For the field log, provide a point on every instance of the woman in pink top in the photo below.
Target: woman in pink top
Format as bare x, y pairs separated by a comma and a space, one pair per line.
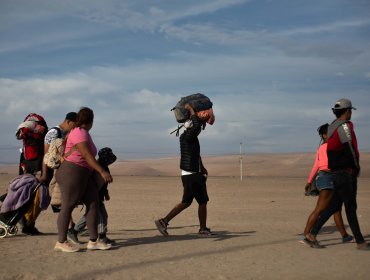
323, 180
74, 177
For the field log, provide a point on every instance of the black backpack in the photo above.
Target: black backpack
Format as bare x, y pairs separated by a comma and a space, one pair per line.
198, 101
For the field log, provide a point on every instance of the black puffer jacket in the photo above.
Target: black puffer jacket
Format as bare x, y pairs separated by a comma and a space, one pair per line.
189, 147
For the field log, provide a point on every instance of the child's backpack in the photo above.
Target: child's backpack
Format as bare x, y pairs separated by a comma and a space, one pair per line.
198, 101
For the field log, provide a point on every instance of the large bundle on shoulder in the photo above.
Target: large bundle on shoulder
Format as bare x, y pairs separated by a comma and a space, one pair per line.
201, 104
32, 132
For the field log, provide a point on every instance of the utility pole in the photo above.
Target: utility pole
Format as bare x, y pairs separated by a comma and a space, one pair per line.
241, 162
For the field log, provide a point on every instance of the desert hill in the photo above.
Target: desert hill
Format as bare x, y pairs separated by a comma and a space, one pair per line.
260, 165
291, 165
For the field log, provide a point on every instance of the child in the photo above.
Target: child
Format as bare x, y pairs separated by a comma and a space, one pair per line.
106, 157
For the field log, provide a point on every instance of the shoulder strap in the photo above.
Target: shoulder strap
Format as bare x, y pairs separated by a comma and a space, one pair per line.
59, 131
344, 133
177, 130
345, 136
333, 126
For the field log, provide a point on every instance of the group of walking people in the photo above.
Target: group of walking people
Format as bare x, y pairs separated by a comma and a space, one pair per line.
80, 178
77, 179
335, 173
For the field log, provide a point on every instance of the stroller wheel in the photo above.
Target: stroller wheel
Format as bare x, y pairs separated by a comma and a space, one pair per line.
12, 230
3, 231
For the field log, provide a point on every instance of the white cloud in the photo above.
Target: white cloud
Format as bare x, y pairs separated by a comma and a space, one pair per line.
154, 100
211, 34
204, 7
324, 28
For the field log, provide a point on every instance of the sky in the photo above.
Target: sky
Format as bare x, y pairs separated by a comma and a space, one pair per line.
272, 68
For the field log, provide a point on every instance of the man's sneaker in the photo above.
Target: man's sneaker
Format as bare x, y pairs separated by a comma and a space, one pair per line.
108, 241
98, 245
313, 243
206, 232
161, 226
363, 246
72, 236
65, 247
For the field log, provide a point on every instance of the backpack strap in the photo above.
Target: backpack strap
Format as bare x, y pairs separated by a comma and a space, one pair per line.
59, 131
177, 130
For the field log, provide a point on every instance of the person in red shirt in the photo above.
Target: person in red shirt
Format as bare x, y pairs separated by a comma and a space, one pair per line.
343, 161
321, 176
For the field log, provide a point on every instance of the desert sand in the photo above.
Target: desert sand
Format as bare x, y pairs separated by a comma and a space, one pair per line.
257, 221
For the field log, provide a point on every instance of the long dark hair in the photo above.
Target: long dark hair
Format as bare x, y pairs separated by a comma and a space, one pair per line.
84, 116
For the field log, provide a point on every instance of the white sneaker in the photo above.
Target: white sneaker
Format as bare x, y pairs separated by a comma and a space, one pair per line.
98, 245
65, 247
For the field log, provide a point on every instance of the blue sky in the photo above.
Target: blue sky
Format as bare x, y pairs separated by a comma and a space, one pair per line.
273, 70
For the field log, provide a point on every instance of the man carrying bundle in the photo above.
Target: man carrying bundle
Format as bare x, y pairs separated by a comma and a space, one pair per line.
193, 176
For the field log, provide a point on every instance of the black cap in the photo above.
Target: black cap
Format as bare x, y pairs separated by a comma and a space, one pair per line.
71, 116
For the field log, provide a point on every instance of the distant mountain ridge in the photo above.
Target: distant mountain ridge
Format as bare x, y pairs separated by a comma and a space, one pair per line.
294, 165
291, 165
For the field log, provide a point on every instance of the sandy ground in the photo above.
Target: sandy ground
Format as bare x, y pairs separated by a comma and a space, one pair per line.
257, 220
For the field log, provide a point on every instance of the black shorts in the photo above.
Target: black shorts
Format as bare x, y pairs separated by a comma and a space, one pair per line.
194, 187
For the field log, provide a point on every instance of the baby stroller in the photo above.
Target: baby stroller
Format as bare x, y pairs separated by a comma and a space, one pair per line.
14, 206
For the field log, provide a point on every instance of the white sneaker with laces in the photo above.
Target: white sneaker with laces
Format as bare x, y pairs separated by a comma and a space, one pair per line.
98, 245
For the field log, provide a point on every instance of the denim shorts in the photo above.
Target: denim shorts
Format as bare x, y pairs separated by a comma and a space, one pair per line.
324, 181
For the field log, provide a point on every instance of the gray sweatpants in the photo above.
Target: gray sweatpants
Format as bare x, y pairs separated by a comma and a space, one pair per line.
102, 224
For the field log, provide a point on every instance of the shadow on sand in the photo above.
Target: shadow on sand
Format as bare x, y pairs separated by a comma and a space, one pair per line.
222, 235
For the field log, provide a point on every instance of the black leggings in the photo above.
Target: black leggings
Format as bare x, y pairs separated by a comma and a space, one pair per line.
345, 192
76, 186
